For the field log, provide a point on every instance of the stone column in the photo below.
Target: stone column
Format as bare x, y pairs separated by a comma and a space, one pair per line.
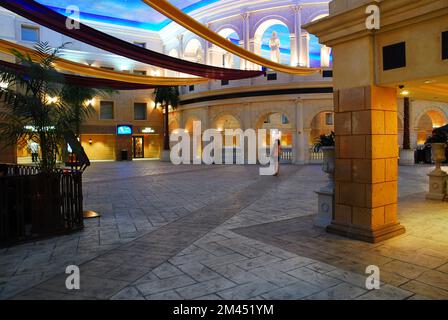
242, 61
300, 145
180, 38
255, 47
297, 35
366, 127
366, 164
246, 37
304, 59
414, 137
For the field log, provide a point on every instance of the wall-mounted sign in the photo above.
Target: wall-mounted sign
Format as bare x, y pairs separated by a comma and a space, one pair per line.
148, 130
124, 130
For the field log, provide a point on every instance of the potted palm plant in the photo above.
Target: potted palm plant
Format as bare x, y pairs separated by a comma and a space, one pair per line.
37, 105
165, 97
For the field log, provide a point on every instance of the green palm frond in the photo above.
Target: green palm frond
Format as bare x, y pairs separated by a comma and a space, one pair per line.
166, 96
26, 112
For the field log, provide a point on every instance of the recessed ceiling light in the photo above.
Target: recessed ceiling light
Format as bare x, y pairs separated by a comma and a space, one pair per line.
429, 81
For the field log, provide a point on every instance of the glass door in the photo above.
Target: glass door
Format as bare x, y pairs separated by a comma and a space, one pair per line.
139, 149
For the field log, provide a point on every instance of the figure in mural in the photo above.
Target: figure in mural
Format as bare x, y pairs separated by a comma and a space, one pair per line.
274, 44
325, 53
199, 55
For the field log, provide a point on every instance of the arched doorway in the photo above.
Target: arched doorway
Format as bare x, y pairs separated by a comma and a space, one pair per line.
281, 122
321, 124
427, 122
231, 146
188, 127
222, 58
265, 31
194, 52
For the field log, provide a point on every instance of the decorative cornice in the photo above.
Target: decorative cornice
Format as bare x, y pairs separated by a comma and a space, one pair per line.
350, 24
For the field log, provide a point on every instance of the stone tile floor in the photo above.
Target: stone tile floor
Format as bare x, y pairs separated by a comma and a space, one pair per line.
224, 232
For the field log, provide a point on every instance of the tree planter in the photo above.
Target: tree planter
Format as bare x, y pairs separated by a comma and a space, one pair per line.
437, 177
40, 205
326, 194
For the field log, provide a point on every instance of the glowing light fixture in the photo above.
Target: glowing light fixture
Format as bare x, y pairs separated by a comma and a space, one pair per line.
405, 92
90, 102
52, 100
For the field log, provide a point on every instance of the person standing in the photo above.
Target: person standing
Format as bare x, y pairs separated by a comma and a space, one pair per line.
34, 148
276, 157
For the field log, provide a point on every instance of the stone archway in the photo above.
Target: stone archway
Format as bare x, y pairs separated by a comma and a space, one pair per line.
220, 57
427, 121
321, 123
194, 51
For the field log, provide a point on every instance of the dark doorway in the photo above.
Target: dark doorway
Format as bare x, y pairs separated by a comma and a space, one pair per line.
139, 147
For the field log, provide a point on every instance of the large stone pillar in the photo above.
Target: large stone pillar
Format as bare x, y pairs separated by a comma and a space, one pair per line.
366, 174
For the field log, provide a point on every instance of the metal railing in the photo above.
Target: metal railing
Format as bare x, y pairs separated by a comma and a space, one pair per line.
34, 205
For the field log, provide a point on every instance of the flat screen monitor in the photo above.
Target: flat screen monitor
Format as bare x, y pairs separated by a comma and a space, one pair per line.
124, 130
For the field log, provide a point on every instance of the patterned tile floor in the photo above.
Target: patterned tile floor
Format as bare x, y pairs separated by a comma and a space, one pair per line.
224, 232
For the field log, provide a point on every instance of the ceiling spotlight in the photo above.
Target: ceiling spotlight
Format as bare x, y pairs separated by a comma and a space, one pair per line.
429, 81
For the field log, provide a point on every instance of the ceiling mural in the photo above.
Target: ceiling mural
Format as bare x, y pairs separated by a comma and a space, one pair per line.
132, 13
135, 13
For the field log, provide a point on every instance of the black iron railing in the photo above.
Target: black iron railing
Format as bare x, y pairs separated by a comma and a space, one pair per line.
36, 205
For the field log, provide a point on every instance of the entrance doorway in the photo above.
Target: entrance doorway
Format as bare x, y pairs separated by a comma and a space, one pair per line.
138, 147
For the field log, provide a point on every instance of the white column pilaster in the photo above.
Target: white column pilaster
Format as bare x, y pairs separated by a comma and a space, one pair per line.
246, 37
180, 38
297, 34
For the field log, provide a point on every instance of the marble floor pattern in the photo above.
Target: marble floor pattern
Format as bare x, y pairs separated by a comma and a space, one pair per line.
224, 232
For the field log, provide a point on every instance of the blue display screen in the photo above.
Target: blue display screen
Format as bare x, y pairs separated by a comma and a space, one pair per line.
124, 130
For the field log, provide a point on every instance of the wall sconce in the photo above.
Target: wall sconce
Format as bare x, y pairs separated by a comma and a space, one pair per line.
90, 141
90, 102
52, 100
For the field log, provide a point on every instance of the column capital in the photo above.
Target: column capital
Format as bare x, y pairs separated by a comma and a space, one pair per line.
297, 8
180, 36
245, 15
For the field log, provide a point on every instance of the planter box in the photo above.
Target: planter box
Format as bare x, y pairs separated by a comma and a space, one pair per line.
37, 206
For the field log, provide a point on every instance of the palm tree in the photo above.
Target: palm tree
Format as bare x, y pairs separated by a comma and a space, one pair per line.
166, 97
38, 106
406, 125
77, 109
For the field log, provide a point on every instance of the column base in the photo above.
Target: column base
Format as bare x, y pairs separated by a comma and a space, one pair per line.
407, 157
166, 156
372, 236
